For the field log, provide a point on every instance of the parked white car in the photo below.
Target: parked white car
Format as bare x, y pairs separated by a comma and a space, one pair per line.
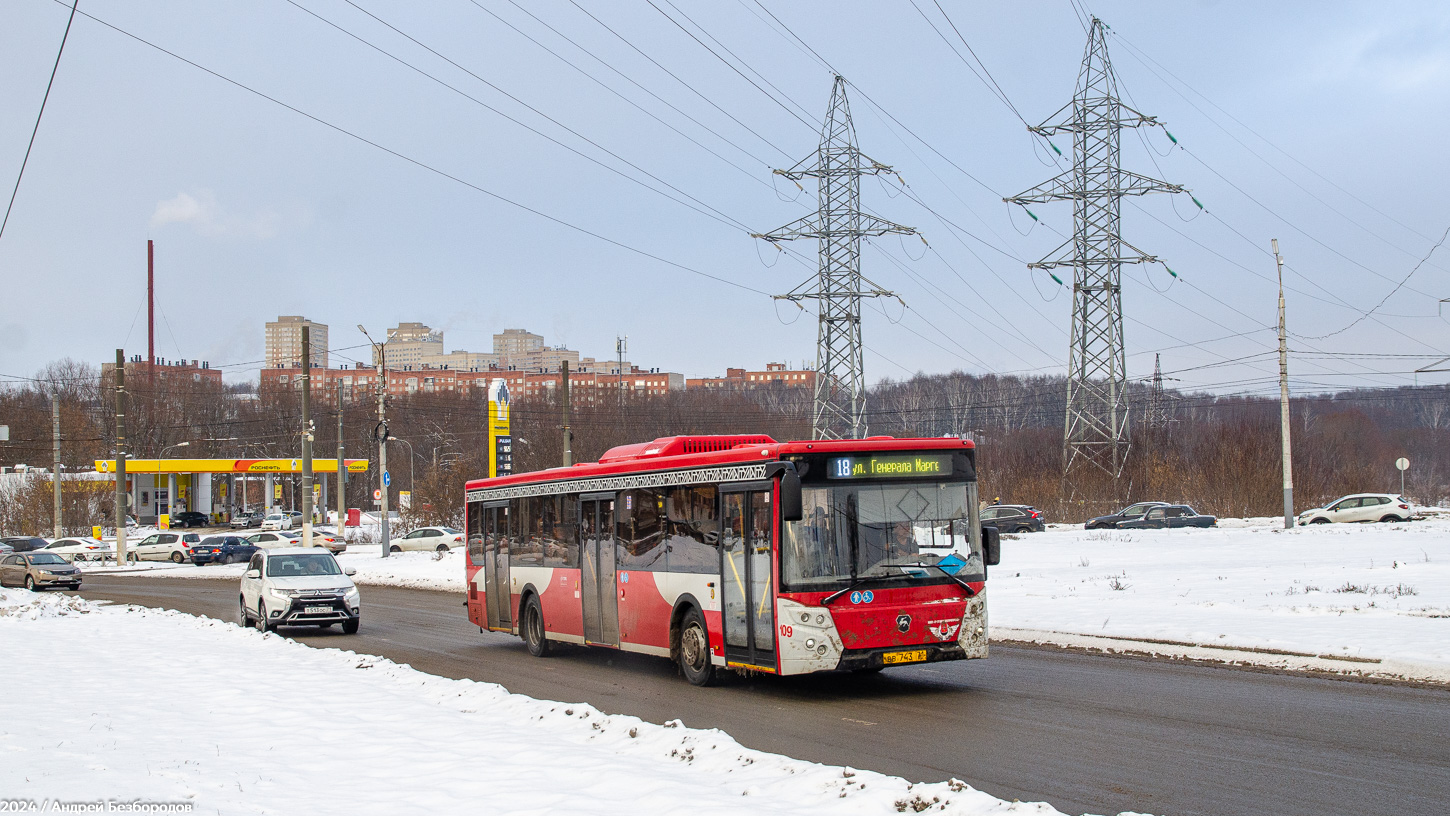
278, 521
81, 549
273, 540
428, 538
298, 586
175, 547
1361, 507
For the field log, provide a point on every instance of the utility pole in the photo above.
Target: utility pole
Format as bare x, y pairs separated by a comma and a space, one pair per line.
150, 310
839, 409
306, 435
381, 434
120, 457
1284, 398
568, 434
1096, 426
55, 463
341, 475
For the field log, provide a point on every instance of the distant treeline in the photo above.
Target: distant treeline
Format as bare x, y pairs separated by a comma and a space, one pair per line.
1220, 454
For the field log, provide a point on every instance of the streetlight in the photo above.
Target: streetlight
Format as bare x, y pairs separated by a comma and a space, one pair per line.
171, 478
411, 457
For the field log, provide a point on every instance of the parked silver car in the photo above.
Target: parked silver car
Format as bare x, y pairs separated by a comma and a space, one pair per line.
1361, 507
38, 570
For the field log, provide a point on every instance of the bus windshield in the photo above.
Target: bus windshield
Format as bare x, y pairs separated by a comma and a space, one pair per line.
865, 531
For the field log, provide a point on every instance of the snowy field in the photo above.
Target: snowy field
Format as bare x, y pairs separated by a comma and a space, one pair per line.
1371, 599
164, 707
1337, 596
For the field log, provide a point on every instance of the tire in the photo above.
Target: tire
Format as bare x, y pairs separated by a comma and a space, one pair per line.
443, 548
30, 584
349, 627
395, 549
246, 616
532, 629
227, 559
1320, 520
262, 624
694, 650
177, 558
133, 558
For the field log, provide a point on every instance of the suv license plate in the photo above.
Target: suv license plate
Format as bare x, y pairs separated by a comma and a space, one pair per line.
323, 610
915, 656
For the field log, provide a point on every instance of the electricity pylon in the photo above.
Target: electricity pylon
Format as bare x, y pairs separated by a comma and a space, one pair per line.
1096, 430
1158, 413
838, 224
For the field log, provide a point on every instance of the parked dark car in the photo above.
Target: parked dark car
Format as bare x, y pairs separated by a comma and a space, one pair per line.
1130, 513
25, 543
1014, 518
189, 518
1169, 515
222, 550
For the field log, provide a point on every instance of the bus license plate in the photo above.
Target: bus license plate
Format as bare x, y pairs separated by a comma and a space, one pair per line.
915, 656
323, 610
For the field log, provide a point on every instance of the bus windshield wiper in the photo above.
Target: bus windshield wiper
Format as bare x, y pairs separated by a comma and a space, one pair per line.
951, 575
859, 582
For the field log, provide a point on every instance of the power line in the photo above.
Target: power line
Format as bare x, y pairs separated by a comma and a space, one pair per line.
424, 166
46, 98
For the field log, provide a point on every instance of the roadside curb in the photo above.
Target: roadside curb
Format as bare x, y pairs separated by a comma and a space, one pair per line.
1344, 667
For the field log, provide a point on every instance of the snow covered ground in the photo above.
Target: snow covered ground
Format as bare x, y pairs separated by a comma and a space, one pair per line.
1368, 599
1355, 598
162, 707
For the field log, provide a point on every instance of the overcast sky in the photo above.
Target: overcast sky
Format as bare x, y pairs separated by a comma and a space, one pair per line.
1319, 124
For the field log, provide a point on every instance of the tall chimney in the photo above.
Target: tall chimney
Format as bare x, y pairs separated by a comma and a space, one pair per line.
150, 304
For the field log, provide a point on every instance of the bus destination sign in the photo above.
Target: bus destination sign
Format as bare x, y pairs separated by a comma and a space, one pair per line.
889, 467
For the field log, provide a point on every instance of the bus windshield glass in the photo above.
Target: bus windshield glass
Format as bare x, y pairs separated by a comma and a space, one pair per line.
878, 531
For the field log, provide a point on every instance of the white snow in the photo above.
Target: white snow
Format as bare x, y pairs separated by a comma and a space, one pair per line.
1368, 599
1352, 598
127, 704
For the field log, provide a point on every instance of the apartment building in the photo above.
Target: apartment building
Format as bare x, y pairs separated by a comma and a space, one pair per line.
284, 342
775, 375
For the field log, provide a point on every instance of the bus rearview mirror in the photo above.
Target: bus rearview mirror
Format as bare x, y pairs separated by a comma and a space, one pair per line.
790, 496
991, 545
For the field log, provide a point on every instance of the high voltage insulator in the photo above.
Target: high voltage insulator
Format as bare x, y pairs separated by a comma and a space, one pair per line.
839, 224
1097, 402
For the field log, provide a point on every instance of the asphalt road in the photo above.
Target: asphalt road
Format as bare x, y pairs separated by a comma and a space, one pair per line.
1085, 733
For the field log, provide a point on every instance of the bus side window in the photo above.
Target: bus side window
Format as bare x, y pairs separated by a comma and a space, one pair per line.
475, 533
560, 525
693, 537
641, 530
527, 539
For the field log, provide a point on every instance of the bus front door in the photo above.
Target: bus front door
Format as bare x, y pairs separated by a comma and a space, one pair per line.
747, 611
498, 596
598, 579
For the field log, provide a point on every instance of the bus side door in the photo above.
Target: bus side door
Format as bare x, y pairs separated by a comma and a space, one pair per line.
497, 598
597, 577
747, 611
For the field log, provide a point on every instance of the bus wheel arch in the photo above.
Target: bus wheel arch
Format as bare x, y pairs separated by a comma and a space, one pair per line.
690, 642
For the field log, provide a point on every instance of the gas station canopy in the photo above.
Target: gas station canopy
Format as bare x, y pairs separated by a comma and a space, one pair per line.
229, 465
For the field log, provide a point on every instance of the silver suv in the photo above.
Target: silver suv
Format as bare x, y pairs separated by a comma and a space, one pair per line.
299, 586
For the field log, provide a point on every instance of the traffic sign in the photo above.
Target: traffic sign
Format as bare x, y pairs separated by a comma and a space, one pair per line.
1402, 463
377, 495
387, 479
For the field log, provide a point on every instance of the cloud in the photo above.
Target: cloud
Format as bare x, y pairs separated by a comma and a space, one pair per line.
206, 217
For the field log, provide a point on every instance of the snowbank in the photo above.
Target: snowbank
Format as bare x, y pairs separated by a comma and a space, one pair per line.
232, 721
419, 570
1355, 598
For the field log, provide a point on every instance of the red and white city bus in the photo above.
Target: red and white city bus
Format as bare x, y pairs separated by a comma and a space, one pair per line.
740, 552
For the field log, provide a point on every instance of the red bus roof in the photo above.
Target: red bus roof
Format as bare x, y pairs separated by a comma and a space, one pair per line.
669, 452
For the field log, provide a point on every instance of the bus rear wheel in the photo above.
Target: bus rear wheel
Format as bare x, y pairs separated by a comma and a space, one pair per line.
695, 649
533, 628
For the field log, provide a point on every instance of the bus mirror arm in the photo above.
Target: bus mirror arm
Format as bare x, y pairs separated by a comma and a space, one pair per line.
791, 508
991, 545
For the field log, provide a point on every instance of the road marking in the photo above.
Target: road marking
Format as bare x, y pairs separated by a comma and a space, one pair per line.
858, 722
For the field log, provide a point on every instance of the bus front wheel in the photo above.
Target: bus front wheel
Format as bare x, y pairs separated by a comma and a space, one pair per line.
695, 649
